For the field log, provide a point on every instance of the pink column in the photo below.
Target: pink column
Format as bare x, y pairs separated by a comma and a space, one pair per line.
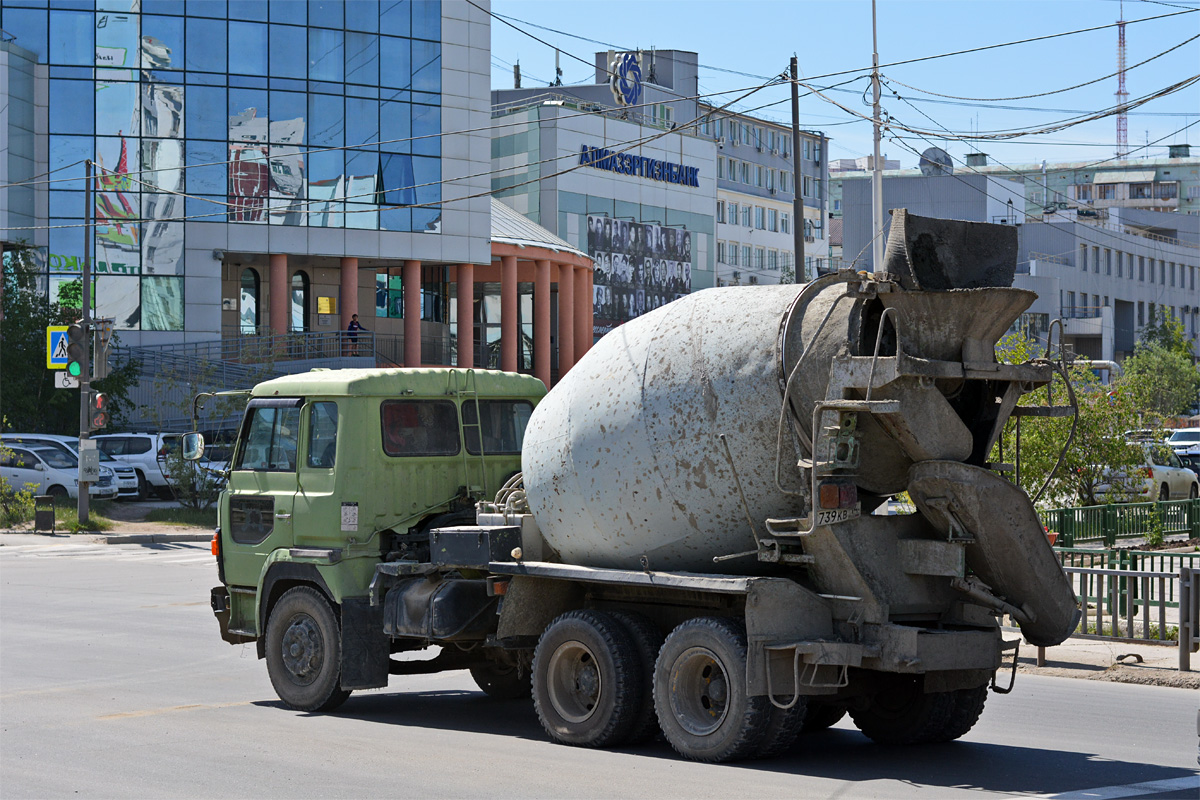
412, 313
279, 290
466, 318
541, 321
566, 318
583, 312
510, 331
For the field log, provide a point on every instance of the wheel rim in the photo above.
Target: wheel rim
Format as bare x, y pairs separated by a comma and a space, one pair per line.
575, 682
699, 691
303, 649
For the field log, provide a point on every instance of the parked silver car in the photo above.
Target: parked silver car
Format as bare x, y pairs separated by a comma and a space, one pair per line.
51, 471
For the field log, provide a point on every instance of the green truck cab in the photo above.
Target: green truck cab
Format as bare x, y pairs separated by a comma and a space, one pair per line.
333, 472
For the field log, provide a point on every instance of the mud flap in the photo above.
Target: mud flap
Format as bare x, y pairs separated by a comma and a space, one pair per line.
364, 645
1007, 548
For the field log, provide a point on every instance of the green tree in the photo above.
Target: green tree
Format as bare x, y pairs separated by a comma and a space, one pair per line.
1098, 454
1161, 375
28, 400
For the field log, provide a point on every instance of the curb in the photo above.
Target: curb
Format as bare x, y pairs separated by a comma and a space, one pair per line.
149, 538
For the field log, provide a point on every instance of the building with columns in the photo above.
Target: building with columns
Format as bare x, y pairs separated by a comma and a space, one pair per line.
266, 171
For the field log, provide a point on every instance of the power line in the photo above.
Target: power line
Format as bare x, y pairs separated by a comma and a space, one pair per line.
1052, 91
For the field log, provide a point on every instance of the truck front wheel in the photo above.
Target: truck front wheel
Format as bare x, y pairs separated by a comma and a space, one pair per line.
304, 651
587, 683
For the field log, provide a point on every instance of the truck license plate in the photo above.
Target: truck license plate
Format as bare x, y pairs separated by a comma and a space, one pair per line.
832, 516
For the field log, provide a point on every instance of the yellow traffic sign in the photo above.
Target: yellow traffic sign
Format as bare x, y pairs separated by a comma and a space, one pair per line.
56, 346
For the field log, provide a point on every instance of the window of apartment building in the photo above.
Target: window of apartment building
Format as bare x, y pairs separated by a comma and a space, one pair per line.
1142, 268
746, 216
720, 211
808, 230
807, 149
772, 219
1083, 191
1096, 259
720, 252
745, 255
745, 133
817, 152
731, 173
746, 172
1107, 261
760, 257
1171, 272
720, 168
719, 128
1162, 272
1150, 309
1106, 301
1070, 304
1083, 257
1106, 191
759, 218
771, 179
1166, 191
807, 186
1140, 191
760, 175
785, 259
785, 222
837, 205
1141, 313
1191, 277
786, 146
733, 214
1120, 264
1035, 198
773, 260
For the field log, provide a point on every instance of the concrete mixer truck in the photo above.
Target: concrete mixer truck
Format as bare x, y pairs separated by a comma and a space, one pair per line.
679, 537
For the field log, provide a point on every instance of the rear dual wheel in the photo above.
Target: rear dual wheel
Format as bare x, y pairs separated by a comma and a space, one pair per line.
903, 713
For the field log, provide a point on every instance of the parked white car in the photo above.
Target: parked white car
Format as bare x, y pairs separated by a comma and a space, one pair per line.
1184, 437
125, 476
146, 453
1165, 477
51, 472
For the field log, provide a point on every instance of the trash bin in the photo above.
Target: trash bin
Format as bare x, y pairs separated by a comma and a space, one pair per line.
43, 513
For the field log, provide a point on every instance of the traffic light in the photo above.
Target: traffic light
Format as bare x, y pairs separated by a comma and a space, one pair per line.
98, 410
76, 349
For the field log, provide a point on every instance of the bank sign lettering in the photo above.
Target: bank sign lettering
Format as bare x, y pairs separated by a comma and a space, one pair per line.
629, 164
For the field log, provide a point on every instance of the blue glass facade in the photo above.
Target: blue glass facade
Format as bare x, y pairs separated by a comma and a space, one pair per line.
325, 113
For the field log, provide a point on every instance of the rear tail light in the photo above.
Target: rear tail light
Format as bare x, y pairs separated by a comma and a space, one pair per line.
216, 545
1149, 472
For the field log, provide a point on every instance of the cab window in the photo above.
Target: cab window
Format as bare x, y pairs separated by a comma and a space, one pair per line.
419, 428
322, 435
502, 429
270, 441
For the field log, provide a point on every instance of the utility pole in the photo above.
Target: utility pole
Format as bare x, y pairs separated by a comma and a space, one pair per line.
797, 179
86, 321
876, 168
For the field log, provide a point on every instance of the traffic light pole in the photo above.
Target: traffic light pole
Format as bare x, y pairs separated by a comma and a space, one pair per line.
86, 321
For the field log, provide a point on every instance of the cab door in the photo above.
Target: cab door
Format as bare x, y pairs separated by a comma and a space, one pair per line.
323, 519
258, 505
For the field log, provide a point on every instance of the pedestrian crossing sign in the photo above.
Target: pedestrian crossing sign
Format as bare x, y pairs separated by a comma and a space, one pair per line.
56, 347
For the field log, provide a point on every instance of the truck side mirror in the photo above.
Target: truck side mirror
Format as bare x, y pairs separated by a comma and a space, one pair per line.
193, 446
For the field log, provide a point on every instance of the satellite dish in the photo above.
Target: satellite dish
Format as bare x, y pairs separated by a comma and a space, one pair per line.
936, 161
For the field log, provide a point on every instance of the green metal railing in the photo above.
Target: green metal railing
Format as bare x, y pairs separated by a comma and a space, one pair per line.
1131, 560
1106, 524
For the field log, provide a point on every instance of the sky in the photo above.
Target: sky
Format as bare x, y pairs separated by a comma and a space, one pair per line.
828, 36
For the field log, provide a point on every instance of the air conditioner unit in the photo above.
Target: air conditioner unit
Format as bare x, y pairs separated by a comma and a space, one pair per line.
809, 239
760, 147
772, 190
774, 151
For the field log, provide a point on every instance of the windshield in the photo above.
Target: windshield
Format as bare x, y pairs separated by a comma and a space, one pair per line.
1184, 436
56, 458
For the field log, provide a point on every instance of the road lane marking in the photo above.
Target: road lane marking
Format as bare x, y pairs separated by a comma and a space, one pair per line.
150, 712
1128, 790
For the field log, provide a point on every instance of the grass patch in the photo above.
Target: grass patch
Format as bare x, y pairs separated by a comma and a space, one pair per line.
184, 516
66, 517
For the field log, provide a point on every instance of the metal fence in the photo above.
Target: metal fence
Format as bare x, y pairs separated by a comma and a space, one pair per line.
1131, 605
1108, 523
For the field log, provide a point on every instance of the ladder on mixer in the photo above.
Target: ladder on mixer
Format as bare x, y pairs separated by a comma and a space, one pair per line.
469, 392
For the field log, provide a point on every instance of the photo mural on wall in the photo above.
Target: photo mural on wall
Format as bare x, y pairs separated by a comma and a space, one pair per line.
639, 267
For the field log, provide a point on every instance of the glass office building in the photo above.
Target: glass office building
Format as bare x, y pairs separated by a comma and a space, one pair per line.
250, 156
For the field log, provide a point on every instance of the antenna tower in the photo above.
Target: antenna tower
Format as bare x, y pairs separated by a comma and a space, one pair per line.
1122, 95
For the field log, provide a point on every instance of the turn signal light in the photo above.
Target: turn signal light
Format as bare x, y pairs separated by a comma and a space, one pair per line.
216, 544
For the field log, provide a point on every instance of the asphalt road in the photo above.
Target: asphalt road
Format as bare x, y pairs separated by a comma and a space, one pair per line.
114, 683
